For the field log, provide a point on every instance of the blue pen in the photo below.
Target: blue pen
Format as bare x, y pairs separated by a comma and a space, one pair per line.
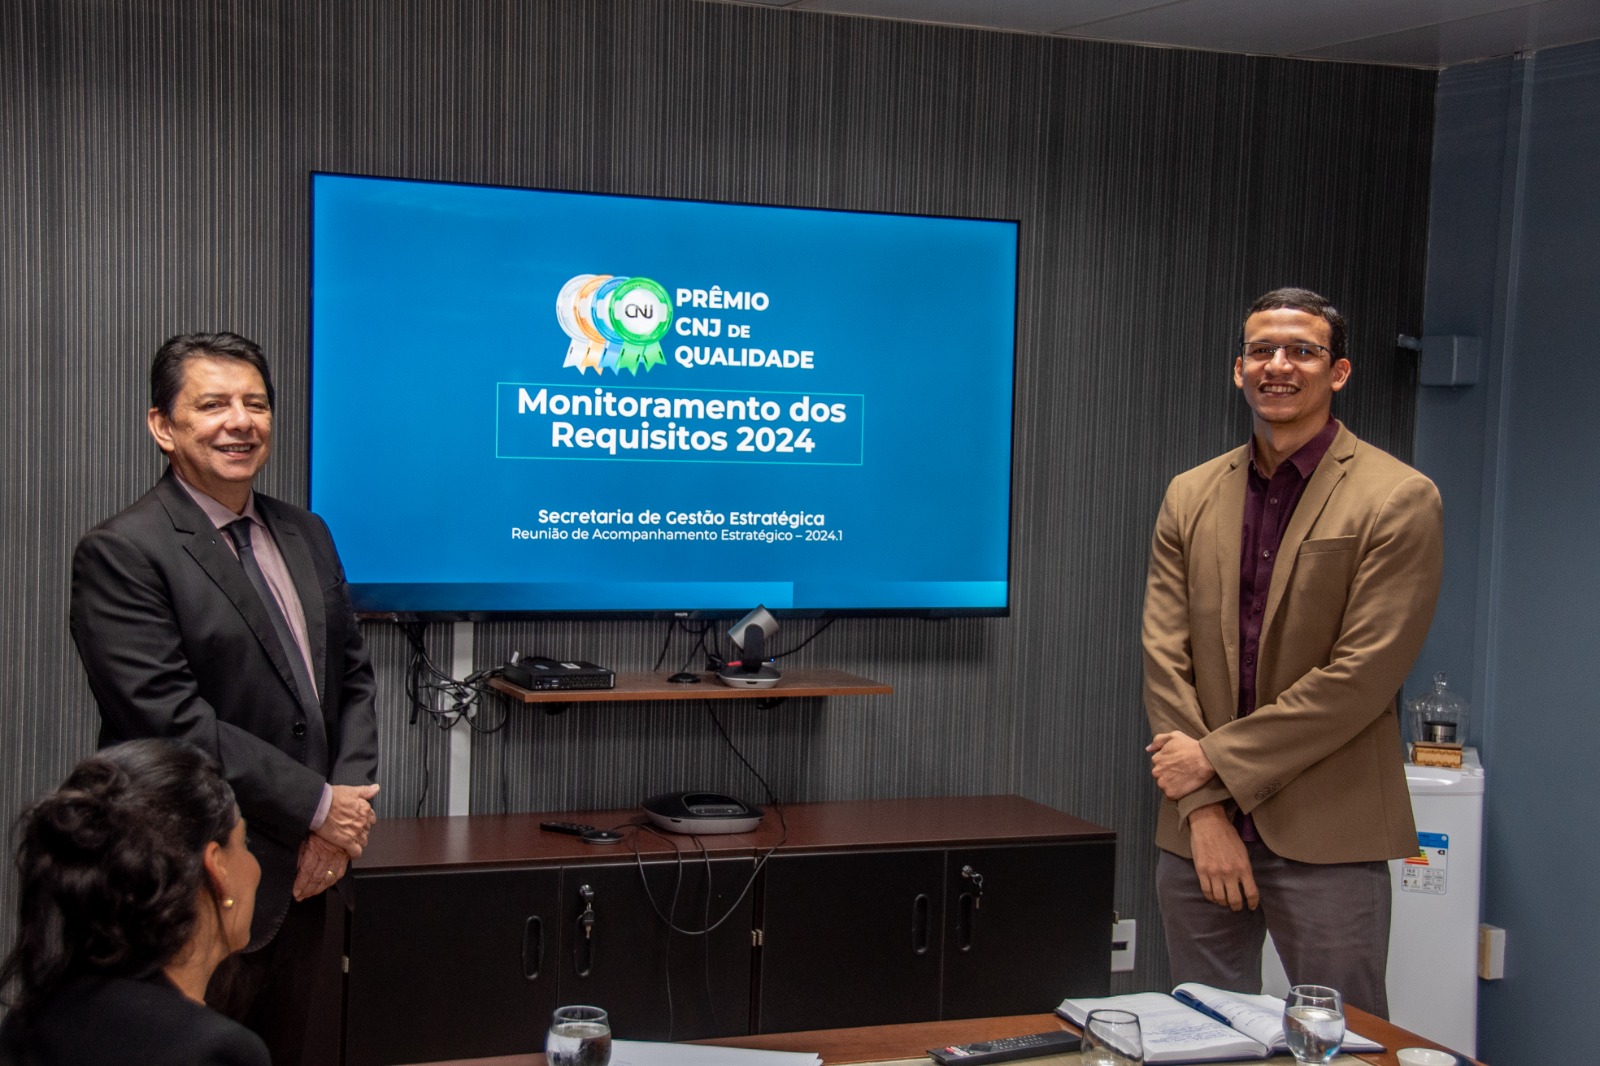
1185, 998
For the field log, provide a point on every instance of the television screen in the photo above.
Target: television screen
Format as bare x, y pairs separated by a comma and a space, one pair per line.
530, 402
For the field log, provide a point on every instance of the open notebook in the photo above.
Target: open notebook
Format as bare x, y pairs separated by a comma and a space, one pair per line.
1198, 1023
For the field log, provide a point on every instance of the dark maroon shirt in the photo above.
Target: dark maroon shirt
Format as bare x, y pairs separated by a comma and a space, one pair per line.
1268, 506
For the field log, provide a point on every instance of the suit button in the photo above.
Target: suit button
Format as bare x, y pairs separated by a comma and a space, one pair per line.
299, 729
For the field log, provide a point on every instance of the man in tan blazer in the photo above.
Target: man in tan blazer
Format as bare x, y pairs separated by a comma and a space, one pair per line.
1291, 584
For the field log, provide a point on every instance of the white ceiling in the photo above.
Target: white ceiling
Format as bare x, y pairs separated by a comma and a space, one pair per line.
1409, 33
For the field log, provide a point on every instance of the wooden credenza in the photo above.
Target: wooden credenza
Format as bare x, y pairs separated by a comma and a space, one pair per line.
468, 931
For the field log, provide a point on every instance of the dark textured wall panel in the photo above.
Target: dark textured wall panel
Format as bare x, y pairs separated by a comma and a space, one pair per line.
153, 179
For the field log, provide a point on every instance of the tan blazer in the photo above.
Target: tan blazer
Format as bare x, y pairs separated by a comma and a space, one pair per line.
1319, 764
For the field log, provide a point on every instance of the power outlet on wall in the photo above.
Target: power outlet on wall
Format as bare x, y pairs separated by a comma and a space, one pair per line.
1124, 942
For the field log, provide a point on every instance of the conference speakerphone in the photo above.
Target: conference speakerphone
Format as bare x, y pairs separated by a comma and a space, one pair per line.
539, 674
701, 813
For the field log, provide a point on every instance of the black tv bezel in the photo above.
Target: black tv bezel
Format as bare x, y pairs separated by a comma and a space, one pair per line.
689, 614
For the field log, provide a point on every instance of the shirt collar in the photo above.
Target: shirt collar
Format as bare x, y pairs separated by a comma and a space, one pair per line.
220, 514
1305, 459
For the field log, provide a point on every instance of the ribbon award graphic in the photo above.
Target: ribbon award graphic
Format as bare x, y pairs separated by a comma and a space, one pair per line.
587, 344
615, 323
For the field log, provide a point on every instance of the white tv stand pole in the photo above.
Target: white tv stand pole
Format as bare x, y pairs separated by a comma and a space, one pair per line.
458, 784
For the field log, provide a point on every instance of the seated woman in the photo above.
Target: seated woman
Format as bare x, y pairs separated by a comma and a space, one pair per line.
135, 884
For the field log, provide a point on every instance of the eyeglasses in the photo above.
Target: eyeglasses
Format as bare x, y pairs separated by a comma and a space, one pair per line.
1304, 354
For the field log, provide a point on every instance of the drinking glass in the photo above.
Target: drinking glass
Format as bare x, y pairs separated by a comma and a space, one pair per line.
1313, 1023
1112, 1038
579, 1036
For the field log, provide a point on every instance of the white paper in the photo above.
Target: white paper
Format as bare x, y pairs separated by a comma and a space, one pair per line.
649, 1053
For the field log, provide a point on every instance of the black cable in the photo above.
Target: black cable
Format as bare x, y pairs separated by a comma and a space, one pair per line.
666, 954
672, 628
677, 855
761, 861
705, 944
425, 779
698, 646
666, 644
670, 919
505, 785
424, 681
819, 631
772, 797
505, 714
714, 653
718, 659
427, 686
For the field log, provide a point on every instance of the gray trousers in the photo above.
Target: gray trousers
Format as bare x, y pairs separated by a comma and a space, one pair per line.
1330, 924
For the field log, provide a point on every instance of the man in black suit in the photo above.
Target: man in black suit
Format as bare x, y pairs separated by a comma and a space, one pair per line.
211, 613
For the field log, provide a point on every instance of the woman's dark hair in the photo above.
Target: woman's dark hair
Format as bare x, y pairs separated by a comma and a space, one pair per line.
167, 368
110, 865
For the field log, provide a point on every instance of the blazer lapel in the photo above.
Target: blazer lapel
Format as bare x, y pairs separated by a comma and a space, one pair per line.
1324, 478
297, 557
203, 542
1229, 537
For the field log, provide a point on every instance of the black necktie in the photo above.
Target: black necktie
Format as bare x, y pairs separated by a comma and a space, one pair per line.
239, 532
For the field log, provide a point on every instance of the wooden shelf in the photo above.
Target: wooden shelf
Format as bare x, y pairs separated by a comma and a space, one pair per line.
638, 685
483, 841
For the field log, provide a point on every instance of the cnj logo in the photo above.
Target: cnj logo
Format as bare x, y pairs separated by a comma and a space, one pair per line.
615, 323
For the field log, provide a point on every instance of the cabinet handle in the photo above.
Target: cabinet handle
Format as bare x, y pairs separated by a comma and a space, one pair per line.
583, 943
919, 924
532, 933
966, 920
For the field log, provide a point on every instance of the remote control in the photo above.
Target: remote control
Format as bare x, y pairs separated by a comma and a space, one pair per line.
586, 833
1007, 1048
570, 828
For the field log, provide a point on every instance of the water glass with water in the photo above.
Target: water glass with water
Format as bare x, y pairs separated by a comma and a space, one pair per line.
1313, 1023
1112, 1038
579, 1036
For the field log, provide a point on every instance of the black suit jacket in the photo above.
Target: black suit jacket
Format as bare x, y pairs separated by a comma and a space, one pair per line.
176, 643
120, 1021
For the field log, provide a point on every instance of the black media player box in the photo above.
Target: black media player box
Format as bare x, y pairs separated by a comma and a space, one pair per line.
539, 674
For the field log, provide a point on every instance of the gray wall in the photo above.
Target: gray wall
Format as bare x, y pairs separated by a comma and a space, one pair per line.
1516, 221
154, 180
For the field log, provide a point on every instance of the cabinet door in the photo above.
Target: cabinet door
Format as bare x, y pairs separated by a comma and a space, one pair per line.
452, 964
850, 939
1038, 931
618, 952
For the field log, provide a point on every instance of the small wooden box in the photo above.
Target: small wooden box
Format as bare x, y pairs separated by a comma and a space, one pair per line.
1436, 754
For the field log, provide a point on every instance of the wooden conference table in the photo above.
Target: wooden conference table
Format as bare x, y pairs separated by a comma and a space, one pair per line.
896, 1043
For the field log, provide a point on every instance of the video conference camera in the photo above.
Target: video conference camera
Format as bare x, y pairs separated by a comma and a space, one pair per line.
753, 668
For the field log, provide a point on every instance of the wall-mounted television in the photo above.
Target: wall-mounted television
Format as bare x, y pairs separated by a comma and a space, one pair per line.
529, 402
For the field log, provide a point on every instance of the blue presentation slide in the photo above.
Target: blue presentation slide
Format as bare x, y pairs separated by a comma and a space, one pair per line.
532, 401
